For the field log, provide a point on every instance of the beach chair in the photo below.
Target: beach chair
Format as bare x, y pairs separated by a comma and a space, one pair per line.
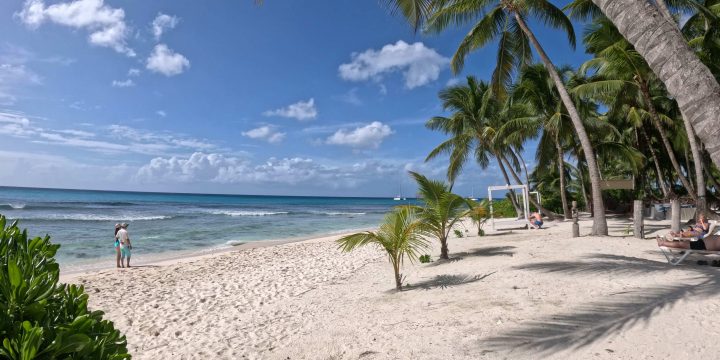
676, 256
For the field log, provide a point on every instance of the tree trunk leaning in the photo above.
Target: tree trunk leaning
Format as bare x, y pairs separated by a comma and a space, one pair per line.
599, 220
561, 170
513, 199
675, 208
700, 187
686, 78
638, 228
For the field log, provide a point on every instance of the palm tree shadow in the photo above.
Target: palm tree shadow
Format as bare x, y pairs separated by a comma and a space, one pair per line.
446, 281
589, 323
481, 252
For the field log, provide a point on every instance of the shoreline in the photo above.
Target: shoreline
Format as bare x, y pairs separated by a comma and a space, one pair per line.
162, 259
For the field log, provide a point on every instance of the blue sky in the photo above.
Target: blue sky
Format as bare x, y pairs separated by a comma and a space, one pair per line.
288, 98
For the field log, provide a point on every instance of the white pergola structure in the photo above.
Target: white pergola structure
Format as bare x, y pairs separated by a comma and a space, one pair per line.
537, 196
526, 205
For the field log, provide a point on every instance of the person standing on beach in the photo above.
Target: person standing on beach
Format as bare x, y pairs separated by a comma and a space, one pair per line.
117, 246
125, 245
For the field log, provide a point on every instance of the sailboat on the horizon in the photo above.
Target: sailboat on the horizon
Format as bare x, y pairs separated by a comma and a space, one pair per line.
472, 195
400, 195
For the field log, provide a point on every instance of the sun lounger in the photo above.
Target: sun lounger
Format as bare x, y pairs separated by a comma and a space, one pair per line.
675, 256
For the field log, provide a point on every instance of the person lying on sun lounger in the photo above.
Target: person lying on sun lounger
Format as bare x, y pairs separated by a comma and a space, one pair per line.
695, 231
709, 243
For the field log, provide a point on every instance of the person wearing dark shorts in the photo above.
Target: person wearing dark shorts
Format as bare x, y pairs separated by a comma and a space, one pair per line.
709, 243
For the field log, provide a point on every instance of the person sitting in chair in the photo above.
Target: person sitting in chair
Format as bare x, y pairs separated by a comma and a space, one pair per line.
535, 220
698, 230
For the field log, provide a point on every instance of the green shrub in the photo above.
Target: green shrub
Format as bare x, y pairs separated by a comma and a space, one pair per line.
458, 233
40, 318
425, 259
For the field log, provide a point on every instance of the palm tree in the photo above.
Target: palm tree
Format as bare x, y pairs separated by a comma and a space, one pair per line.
505, 21
670, 57
441, 210
471, 107
622, 71
398, 235
474, 127
536, 89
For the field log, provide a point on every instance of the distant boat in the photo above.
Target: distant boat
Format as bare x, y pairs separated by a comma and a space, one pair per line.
472, 195
399, 196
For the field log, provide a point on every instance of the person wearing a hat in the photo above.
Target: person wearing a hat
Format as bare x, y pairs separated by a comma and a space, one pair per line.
125, 246
117, 246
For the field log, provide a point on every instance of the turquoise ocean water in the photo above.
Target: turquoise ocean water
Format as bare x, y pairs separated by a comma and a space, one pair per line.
83, 221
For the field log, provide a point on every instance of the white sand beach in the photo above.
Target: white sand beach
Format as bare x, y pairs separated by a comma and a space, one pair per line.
525, 295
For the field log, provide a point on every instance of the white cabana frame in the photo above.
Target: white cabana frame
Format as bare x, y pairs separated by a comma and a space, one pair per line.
526, 203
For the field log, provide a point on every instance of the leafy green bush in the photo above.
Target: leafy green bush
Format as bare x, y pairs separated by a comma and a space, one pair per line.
40, 318
458, 233
425, 259
503, 209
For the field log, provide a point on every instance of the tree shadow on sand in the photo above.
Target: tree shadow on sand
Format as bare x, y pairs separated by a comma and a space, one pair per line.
480, 252
446, 281
589, 323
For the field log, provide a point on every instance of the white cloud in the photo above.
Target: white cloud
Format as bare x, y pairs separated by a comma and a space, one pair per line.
419, 64
266, 133
301, 110
223, 169
105, 24
133, 72
167, 62
124, 83
161, 113
452, 81
368, 136
163, 22
350, 97
14, 76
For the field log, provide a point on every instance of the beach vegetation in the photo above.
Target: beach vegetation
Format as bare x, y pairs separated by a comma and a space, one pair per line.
478, 214
504, 22
399, 235
424, 259
458, 233
441, 209
41, 318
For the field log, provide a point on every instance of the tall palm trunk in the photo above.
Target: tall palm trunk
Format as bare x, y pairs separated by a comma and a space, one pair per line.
686, 78
586, 197
561, 170
700, 202
700, 187
665, 140
599, 220
530, 198
661, 181
513, 199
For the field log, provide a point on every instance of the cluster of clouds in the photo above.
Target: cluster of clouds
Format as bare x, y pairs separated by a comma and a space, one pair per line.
368, 137
223, 169
106, 27
115, 139
419, 64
